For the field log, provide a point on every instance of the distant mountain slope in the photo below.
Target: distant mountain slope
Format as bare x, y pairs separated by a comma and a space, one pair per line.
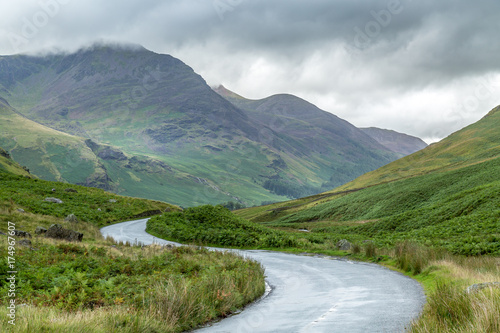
445, 195
54, 155
337, 146
148, 104
397, 142
48, 153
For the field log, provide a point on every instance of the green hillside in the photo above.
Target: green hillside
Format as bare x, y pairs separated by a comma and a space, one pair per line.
48, 153
7, 165
444, 195
154, 106
57, 156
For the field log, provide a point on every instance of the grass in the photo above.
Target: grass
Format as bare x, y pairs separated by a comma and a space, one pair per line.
68, 287
450, 308
99, 285
88, 204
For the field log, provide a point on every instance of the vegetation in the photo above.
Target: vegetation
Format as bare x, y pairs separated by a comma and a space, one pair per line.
147, 290
451, 305
231, 205
216, 225
100, 285
88, 204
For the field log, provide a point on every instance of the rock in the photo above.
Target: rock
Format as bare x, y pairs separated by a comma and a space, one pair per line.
53, 190
20, 210
54, 200
20, 233
56, 231
344, 245
40, 230
98, 209
112, 200
72, 190
25, 242
71, 218
111, 154
479, 286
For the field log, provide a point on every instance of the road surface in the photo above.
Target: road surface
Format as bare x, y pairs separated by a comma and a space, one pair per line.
313, 294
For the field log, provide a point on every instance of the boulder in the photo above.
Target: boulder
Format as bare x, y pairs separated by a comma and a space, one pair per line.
112, 200
479, 286
20, 210
56, 231
54, 200
20, 233
344, 245
40, 230
71, 218
25, 242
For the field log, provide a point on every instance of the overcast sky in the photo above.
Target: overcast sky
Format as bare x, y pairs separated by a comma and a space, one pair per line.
426, 67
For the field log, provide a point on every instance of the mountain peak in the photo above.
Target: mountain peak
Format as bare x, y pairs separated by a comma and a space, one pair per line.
224, 92
397, 142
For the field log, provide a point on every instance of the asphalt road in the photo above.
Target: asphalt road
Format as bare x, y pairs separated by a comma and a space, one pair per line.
313, 294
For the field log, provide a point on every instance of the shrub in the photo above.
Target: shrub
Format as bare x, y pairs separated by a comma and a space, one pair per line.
370, 249
216, 225
411, 257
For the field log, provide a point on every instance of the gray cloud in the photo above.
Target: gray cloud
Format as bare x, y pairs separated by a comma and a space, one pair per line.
413, 66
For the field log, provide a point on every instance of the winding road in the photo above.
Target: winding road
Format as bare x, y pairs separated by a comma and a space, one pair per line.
312, 294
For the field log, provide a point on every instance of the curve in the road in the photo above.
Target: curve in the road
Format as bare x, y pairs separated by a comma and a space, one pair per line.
313, 294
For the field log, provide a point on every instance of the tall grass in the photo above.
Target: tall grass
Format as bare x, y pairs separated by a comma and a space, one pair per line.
103, 286
451, 309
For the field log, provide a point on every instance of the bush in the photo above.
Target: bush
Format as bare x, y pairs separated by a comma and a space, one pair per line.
411, 257
370, 250
216, 225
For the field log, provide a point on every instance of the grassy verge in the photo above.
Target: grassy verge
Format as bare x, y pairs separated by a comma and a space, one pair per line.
451, 306
99, 285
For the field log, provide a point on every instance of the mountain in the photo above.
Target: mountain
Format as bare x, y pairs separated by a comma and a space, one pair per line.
199, 146
57, 156
342, 150
444, 195
397, 142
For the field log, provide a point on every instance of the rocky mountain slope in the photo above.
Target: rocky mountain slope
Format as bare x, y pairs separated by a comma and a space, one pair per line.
397, 142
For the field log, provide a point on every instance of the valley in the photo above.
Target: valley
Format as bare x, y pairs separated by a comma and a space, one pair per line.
115, 133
